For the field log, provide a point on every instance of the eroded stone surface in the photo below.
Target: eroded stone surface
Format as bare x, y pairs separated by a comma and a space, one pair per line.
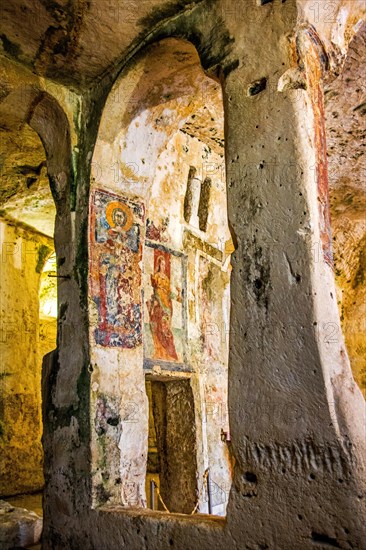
25, 338
345, 109
89, 38
25, 191
297, 417
19, 528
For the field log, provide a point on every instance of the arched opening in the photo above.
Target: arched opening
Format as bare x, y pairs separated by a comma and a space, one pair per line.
159, 284
345, 112
34, 154
27, 240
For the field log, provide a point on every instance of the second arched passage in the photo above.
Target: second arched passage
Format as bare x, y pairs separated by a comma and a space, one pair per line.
36, 174
159, 285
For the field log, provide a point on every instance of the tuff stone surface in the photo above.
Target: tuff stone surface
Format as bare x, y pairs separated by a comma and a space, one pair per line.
345, 98
24, 340
19, 528
297, 417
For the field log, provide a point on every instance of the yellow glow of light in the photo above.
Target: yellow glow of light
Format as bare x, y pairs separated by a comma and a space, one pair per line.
49, 307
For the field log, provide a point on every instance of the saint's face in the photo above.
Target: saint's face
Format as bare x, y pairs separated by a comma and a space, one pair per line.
161, 265
119, 218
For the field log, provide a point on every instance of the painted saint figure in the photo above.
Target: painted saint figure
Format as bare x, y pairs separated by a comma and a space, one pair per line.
120, 220
116, 272
160, 310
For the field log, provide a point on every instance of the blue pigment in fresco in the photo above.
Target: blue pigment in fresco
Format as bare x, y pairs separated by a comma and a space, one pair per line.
115, 272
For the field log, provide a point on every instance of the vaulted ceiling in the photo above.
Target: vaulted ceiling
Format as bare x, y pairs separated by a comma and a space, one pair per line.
76, 41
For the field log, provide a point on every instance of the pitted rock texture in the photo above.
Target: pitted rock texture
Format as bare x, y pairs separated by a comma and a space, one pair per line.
346, 143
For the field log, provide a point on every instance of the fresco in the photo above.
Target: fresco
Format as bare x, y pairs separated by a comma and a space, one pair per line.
315, 60
157, 232
115, 273
211, 282
164, 283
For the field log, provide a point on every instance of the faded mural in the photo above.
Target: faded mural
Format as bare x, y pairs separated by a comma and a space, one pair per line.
115, 272
157, 232
211, 281
164, 316
314, 59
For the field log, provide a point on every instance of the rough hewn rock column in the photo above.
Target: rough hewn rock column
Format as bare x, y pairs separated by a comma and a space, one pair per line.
297, 415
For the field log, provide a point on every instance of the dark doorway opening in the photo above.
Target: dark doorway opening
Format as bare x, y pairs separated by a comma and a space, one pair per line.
172, 462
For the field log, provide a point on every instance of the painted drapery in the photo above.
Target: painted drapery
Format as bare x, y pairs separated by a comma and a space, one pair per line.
115, 256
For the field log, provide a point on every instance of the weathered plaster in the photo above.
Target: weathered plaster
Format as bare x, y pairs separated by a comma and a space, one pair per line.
296, 417
148, 157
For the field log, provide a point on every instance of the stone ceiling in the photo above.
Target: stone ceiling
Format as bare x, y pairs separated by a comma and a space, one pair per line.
25, 194
76, 41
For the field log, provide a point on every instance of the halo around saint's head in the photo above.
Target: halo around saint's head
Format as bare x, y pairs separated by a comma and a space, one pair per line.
119, 206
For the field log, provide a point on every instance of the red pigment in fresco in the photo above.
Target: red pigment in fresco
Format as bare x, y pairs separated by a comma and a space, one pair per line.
314, 57
160, 308
115, 253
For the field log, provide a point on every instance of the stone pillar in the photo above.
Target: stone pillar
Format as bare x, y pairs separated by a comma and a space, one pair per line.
296, 414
